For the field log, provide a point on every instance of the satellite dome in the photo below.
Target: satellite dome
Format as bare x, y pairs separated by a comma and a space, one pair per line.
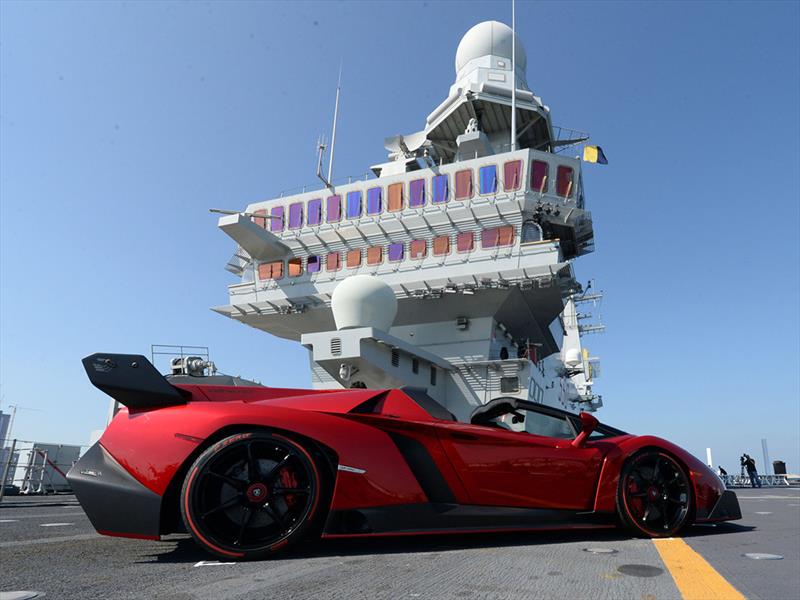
489, 38
363, 301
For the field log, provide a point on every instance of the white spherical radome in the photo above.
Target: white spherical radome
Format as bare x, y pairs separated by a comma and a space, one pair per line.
363, 301
489, 38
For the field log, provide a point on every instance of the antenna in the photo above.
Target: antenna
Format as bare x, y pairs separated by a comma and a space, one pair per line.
335, 118
513, 75
320, 152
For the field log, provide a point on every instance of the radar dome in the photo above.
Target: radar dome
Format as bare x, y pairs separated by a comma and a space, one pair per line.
489, 38
572, 357
363, 301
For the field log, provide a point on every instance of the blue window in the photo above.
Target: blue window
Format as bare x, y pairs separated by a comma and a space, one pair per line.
374, 201
353, 204
315, 211
416, 195
440, 189
488, 179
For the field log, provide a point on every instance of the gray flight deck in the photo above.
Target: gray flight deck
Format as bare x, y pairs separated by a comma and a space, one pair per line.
48, 545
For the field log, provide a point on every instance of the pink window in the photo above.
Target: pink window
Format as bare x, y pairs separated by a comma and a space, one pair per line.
333, 262
465, 241
441, 245
295, 267
495, 237
539, 175
260, 218
333, 209
272, 270
564, 184
512, 172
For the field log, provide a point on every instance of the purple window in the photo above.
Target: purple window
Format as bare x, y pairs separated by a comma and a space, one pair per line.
296, 215
277, 222
353, 205
333, 214
439, 189
416, 197
374, 201
396, 251
313, 264
314, 211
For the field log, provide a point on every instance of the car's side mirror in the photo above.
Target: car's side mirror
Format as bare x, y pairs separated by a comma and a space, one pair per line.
588, 425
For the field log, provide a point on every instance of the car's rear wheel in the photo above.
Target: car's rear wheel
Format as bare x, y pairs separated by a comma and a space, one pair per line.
251, 494
654, 497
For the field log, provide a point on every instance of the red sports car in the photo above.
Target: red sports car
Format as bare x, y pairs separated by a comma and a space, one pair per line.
249, 470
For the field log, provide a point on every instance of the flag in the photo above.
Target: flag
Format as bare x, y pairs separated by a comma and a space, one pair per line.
594, 154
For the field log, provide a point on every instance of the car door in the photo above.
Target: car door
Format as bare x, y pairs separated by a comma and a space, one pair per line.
500, 467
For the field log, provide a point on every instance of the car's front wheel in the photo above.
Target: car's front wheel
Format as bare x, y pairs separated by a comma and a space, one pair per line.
654, 497
251, 494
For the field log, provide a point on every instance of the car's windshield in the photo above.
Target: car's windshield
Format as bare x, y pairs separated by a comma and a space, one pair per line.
537, 423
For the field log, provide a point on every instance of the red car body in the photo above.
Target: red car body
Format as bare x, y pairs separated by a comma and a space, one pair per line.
395, 461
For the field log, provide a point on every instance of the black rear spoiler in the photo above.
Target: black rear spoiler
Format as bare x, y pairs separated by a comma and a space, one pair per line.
131, 380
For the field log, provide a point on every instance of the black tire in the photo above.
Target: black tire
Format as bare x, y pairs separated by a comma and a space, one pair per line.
251, 495
654, 497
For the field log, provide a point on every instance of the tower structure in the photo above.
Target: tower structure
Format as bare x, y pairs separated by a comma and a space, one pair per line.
451, 267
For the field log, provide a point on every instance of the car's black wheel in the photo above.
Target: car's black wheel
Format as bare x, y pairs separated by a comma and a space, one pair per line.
654, 497
251, 494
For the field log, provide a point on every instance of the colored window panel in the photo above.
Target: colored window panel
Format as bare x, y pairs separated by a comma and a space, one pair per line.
313, 264
295, 267
261, 221
418, 249
396, 252
375, 255
354, 204
395, 197
353, 259
374, 201
463, 185
416, 193
564, 185
314, 216
333, 262
488, 179
440, 189
333, 209
497, 236
539, 175
512, 172
441, 245
272, 270
465, 241
296, 215
276, 223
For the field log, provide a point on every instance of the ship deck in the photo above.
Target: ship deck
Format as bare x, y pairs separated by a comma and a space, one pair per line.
47, 545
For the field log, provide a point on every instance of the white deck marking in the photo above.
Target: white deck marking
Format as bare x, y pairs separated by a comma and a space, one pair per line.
55, 524
763, 513
211, 563
8, 520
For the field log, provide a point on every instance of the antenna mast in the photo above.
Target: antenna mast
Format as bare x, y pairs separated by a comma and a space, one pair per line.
335, 118
513, 77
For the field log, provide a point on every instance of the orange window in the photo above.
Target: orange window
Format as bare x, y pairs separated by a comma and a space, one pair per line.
418, 249
464, 185
511, 175
374, 255
505, 235
295, 267
441, 245
465, 241
272, 270
261, 220
564, 185
395, 197
353, 259
333, 262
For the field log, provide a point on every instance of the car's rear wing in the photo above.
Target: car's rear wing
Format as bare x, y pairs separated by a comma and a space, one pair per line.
131, 380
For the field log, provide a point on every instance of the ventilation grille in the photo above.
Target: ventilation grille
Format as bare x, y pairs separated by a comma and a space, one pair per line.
336, 346
395, 358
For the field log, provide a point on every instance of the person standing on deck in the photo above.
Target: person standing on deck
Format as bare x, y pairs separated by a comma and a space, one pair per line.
750, 465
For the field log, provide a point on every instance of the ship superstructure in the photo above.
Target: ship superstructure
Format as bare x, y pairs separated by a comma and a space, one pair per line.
474, 238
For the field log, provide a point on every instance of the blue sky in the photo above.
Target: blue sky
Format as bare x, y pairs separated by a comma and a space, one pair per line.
122, 123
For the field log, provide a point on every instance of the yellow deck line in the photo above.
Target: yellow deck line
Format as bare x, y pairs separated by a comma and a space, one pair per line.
695, 578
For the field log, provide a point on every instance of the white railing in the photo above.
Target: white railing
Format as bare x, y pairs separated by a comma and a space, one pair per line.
737, 481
